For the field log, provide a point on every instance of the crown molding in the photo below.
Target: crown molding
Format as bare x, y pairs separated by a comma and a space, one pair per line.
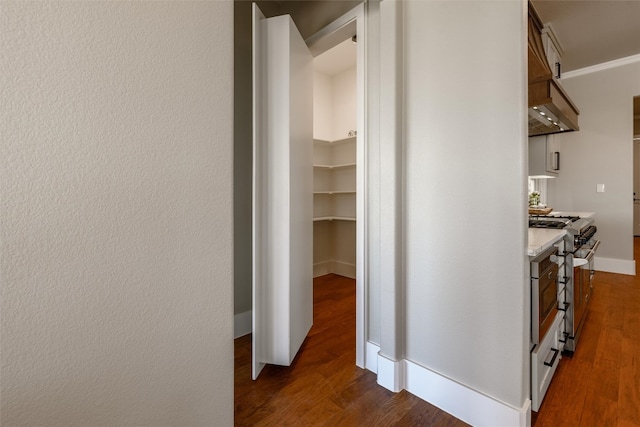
601, 67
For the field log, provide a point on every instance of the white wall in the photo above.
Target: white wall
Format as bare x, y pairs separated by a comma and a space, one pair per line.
601, 153
467, 294
344, 103
116, 213
322, 102
334, 105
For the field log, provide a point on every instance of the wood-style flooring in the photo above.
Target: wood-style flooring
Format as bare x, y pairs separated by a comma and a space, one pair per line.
598, 386
324, 387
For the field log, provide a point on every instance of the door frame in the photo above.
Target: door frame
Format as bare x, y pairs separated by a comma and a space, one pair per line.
323, 40
636, 187
636, 165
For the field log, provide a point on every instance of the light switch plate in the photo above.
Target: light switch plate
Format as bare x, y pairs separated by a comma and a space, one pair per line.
599, 188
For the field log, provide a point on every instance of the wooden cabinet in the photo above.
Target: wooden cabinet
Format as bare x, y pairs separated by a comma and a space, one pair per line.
544, 156
334, 206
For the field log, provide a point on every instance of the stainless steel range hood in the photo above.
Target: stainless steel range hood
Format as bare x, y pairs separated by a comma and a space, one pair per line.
550, 108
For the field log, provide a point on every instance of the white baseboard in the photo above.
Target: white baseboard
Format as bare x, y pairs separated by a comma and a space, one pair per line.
450, 396
391, 373
462, 402
611, 265
322, 268
371, 357
344, 269
242, 324
337, 267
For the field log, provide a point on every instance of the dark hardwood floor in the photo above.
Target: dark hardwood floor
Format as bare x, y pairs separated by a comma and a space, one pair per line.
600, 384
323, 387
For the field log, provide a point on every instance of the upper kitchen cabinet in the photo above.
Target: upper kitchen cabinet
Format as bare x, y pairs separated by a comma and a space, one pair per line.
553, 50
544, 156
550, 108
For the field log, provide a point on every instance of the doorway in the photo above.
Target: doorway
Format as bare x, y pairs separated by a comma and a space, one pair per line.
344, 42
283, 195
334, 162
349, 31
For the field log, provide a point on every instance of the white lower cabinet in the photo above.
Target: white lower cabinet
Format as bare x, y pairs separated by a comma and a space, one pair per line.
334, 207
545, 358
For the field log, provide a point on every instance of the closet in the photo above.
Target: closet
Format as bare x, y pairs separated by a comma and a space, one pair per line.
334, 159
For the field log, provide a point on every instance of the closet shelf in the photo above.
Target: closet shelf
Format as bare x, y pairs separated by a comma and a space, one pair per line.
336, 141
335, 192
334, 218
345, 165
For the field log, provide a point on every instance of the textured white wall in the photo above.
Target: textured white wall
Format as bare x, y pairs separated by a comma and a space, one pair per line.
116, 216
601, 153
467, 294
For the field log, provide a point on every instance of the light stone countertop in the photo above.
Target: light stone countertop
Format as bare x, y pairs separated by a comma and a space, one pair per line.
568, 213
541, 239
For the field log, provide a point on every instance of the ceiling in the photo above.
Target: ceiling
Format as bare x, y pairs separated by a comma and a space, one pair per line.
336, 60
592, 31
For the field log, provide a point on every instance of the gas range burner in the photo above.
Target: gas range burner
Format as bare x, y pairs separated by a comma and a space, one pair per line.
550, 221
546, 224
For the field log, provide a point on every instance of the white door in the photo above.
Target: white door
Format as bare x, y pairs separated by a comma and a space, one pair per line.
636, 188
282, 190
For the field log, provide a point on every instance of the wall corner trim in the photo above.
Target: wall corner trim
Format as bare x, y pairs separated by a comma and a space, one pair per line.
391, 373
371, 357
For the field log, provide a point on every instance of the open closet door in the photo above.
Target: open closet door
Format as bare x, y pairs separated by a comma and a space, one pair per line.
282, 190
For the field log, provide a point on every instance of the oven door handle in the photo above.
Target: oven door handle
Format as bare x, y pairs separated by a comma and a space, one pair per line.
589, 258
553, 359
592, 251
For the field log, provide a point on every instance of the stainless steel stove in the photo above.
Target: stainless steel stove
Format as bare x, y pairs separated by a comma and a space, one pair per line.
551, 221
576, 272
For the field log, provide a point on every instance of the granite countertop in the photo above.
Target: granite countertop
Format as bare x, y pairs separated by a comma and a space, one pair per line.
541, 239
